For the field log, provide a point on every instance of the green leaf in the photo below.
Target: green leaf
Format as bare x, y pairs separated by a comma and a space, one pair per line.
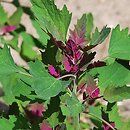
7, 65
96, 111
69, 124
114, 94
120, 44
53, 119
70, 105
13, 86
82, 30
45, 85
99, 37
112, 75
8, 124
3, 16
114, 115
43, 37
14, 43
89, 25
125, 125
27, 48
21, 123
52, 50
16, 17
51, 19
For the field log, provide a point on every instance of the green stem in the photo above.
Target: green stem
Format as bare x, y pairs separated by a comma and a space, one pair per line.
100, 120
76, 118
65, 76
76, 122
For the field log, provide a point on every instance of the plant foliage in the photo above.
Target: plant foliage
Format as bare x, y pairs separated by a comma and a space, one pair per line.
61, 79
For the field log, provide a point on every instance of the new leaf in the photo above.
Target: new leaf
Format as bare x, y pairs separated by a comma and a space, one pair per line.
99, 37
83, 29
51, 19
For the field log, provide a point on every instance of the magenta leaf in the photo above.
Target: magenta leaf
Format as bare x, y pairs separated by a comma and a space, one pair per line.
45, 126
36, 109
71, 57
53, 71
106, 127
96, 64
8, 28
92, 89
67, 63
73, 51
86, 58
78, 35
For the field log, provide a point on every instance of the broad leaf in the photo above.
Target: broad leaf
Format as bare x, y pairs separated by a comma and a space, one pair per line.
113, 113
82, 29
114, 94
70, 105
16, 17
120, 44
7, 65
53, 119
51, 19
99, 37
3, 16
45, 85
43, 37
96, 111
27, 48
112, 75
21, 123
89, 26
14, 43
125, 126
8, 124
13, 86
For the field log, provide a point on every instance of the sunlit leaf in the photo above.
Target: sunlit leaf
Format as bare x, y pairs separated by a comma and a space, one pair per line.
70, 105
112, 75
7, 123
114, 94
51, 19
16, 17
99, 36
45, 85
120, 44
3, 16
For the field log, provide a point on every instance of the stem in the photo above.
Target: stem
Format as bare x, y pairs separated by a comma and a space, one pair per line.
76, 118
76, 122
65, 76
100, 120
